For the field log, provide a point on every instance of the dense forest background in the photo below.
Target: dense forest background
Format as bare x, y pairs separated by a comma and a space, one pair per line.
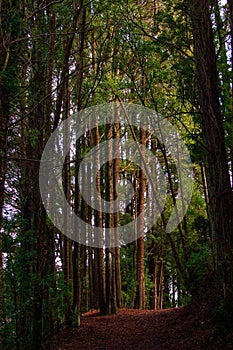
59, 57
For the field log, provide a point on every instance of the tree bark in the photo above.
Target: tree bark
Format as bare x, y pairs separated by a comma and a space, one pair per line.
110, 252
99, 223
140, 297
116, 169
218, 179
4, 119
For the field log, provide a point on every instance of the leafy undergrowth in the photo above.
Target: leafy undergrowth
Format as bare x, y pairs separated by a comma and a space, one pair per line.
184, 328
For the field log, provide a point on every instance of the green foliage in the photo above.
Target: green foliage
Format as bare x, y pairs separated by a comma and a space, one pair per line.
128, 276
32, 135
21, 281
18, 282
59, 295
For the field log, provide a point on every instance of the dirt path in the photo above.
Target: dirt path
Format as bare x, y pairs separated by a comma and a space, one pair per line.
134, 329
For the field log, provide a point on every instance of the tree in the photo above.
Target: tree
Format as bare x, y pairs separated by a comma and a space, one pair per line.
218, 178
4, 120
9, 69
58, 58
140, 295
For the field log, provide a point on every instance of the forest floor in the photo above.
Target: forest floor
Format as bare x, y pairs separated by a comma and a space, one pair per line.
181, 328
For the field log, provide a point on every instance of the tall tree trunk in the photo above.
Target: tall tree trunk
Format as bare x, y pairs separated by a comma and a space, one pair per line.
4, 119
110, 252
9, 59
116, 169
80, 17
218, 179
66, 177
99, 223
140, 302
230, 4
3, 166
156, 267
37, 241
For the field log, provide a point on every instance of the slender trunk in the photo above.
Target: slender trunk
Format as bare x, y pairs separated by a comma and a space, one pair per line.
9, 57
156, 271
4, 118
77, 252
116, 169
230, 4
110, 252
65, 65
99, 223
140, 302
66, 177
